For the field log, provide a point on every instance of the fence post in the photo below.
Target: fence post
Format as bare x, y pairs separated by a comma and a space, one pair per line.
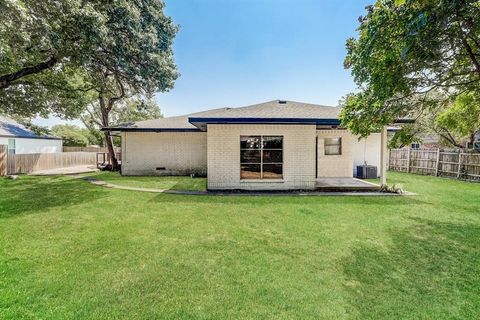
438, 162
408, 160
459, 165
3, 160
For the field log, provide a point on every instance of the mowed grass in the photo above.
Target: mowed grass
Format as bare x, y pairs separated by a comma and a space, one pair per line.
72, 250
164, 183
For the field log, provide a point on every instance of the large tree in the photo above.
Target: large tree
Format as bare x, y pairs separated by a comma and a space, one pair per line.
56, 56
405, 50
146, 65
59, 56
126, 111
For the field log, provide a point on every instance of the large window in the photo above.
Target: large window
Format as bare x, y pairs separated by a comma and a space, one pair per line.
333, 146
261, 157
11, 146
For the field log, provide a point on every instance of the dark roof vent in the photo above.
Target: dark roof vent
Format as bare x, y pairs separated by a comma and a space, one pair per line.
282, 101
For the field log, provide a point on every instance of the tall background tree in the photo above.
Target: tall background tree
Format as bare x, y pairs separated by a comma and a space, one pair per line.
126, 111
408, 51
72, 135
59, 56
146, 65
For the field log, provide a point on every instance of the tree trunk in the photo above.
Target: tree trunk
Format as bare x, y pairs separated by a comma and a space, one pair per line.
471, 139
111, 151
105, 108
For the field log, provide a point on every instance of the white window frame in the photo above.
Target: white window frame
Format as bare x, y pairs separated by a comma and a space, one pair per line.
326, 144
261, 163
10, 149
415, 145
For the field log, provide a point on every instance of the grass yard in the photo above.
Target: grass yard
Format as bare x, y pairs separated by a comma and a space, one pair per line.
166, 183
72, 250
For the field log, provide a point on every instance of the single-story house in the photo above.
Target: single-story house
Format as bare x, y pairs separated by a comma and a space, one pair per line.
21, 140
276, 145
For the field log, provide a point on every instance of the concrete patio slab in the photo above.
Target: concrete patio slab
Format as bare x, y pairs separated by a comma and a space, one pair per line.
345, 184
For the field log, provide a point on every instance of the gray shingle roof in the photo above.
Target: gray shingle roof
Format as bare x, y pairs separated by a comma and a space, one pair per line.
11, 128
272, 110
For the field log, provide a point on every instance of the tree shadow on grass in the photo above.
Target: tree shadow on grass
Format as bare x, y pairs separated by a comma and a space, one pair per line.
29, 194
290, 199
431, 271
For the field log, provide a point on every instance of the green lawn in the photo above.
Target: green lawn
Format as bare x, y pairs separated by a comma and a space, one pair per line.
72, 250
167, 183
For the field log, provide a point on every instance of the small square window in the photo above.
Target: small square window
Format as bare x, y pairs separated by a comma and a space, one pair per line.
333, 146
415, 145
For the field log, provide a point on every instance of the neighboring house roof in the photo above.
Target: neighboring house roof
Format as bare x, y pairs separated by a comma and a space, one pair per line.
276, 111
11, 128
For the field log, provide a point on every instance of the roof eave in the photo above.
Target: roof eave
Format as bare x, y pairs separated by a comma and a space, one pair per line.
201, 122
29, 137
120, 129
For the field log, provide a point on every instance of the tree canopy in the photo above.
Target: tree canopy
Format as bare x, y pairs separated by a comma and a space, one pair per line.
128, 110
407, 50
72, 135
56, 56
462, 117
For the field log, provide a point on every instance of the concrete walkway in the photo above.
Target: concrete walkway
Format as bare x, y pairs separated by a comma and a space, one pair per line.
65, 171
238, 193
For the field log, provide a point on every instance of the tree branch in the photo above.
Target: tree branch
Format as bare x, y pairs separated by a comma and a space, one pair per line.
448, 136
471, 54
6, 80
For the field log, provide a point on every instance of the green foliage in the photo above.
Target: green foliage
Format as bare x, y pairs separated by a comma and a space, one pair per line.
72, 135
125, 111
404, 51
58, 56
94, 137
404, 137
136, 109
463, 116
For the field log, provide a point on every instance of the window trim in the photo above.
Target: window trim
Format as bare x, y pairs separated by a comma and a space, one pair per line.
340, 146
9, 149
261, 163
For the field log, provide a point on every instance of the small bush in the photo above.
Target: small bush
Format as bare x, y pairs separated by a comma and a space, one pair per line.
392, 189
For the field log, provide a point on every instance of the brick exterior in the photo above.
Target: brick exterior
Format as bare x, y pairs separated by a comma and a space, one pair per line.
335, 165
223, 153
183, 153
180, 153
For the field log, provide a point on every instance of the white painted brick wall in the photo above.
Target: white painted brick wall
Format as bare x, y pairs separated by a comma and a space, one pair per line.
223, 153
335, 165
181, 153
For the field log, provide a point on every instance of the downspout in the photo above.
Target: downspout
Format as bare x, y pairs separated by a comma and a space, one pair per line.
383, 156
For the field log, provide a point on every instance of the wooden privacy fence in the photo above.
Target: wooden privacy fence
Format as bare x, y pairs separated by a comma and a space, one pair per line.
459, 165
26, 163
3, 160
87, 149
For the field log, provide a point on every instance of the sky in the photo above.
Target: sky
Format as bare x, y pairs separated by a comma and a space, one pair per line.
232, 53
